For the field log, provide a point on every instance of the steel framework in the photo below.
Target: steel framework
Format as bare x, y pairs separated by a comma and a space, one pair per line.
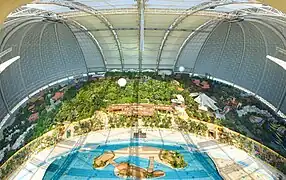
84, 29
141, 9
81, 7
27, 11
191, 11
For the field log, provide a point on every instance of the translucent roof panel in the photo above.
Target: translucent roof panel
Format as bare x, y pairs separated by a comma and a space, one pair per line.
235, 7
49, 7
174, 4
164, 4
109, 4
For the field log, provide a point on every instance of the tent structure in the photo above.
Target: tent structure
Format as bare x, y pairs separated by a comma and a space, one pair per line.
206, 102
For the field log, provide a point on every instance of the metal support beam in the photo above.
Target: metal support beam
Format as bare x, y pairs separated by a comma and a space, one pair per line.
265, 63
272, 27
160, 11
81, 7
14, 30
26, 11
188, 12
77, 24
242, 56
204, 44
3, 98
137, 28
141, 8
5, 52
262, 11
199, 29
3, 66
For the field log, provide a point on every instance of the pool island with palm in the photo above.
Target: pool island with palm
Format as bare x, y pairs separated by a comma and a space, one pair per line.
139, 160
172, 159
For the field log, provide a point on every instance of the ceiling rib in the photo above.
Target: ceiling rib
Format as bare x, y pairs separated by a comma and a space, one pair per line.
90, 10
141, 8
77, 24
188, 12
187, 40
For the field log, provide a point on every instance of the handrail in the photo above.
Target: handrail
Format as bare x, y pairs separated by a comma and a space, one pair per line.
56, 132
241, 135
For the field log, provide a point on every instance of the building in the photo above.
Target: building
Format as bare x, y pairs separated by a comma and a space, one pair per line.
58, 96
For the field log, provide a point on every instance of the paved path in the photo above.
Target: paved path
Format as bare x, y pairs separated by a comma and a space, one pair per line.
235, 163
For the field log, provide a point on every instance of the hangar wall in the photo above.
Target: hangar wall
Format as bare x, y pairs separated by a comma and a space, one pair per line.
236, 52
49, 51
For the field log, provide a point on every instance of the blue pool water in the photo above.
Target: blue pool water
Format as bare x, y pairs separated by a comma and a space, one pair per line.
77, 165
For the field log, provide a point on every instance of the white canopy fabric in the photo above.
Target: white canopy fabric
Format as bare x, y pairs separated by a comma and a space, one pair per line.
206, 101
4, 65
277, 61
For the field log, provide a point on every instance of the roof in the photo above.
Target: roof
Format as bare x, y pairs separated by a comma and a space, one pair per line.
7, 6
58, 95
114, 26
206, 101
34, 117
163, 4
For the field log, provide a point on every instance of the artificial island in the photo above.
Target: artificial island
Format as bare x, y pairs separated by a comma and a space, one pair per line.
169, 158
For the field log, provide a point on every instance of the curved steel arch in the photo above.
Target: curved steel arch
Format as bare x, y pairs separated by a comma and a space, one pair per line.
223, 47
3, 43
267, 51
204, 44
78, 46
243, 52
58, 44
94, 12
12, 31
77, 24
19, 51
187, 13
283, 39
40, 48
192, 34
270, 26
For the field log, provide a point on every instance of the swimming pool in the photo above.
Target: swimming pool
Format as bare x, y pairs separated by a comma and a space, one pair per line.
78, 163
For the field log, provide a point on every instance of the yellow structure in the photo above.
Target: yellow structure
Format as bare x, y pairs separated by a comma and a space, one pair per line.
8, 6
278, 4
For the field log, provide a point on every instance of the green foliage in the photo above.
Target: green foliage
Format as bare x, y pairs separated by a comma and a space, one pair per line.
173, 158
160, 120
21, 155
100, 94
70, 93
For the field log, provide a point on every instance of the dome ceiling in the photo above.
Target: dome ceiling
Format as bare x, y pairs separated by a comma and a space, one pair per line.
229, 40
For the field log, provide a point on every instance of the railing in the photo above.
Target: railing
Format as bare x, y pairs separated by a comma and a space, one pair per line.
224, 135
47, 140
254, 148
22, 155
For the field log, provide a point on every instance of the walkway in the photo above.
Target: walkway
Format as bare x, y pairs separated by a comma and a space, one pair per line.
232, 163
151, 164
